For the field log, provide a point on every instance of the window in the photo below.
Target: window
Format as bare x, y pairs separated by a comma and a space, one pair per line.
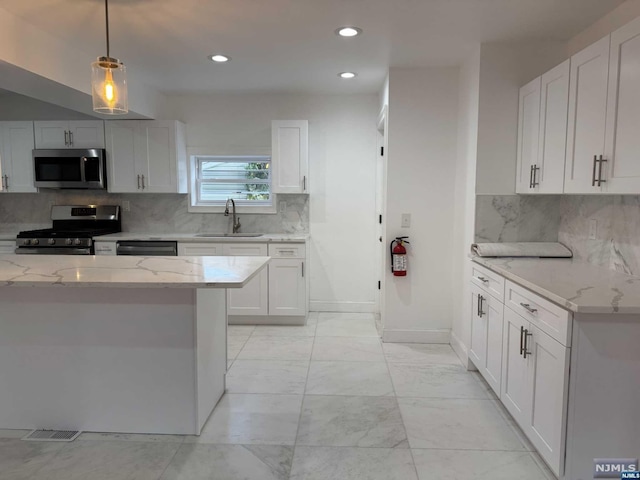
244, 178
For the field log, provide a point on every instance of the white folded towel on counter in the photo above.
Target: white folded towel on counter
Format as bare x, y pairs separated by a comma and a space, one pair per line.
521, 249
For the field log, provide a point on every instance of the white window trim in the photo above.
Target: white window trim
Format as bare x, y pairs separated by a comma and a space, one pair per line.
245, 209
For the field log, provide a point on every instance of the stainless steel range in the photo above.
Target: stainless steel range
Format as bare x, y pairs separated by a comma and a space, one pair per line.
74, 227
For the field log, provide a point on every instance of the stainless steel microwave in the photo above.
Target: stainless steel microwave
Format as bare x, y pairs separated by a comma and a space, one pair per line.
70, 168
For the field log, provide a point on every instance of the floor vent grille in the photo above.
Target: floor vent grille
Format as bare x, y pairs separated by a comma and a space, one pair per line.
52, 436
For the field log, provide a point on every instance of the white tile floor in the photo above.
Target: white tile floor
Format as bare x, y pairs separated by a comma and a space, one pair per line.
324, 401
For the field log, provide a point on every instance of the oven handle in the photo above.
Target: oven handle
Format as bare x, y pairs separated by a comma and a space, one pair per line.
53, 251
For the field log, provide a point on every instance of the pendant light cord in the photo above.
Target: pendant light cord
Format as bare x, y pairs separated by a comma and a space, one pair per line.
106, 16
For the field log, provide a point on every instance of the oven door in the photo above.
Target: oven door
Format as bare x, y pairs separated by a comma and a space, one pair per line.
69, 168
54, 251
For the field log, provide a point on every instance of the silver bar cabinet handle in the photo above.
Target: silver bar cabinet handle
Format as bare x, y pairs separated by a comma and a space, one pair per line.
480, 300
528, 308
302, 269
521, 339
593, 174
535, 175
138, 181
531, 176
601, 160
483, 280
70, 138
526, 352
143, 186
304, 183
6, 182
66, 138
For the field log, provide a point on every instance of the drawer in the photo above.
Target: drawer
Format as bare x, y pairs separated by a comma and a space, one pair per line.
555, 321
489, 281
287, 250
245, 249
105, 248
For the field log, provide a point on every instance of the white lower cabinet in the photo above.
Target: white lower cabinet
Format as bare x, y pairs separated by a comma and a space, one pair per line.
522, 349
486, 336
278, 291
253, 298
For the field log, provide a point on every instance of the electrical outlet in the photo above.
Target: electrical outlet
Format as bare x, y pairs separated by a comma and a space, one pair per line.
126, 206
405, 220
593, 229
283, 207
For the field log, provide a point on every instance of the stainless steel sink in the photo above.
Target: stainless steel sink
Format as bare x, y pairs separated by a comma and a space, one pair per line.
214, 235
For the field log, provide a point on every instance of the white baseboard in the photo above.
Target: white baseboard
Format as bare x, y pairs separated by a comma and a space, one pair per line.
460, 349
348, 307
266, 320
416, 336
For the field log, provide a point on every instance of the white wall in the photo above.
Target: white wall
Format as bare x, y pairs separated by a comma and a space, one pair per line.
604, 26
422, 135
504, 68
342, 149
465, 199
38, 64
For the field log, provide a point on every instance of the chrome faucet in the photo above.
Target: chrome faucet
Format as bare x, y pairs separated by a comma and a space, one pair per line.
236, 220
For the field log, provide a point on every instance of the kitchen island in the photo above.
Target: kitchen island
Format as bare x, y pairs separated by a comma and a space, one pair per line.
115, 344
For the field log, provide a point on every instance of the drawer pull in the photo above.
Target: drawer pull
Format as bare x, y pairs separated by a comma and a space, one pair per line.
528, 308
525, 351
521, 339
483, 280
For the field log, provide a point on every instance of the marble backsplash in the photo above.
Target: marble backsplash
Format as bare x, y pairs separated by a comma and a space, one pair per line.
517, 218
617, 242
153, 213
566, 218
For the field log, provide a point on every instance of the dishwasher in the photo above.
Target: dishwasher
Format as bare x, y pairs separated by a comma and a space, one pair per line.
147, 248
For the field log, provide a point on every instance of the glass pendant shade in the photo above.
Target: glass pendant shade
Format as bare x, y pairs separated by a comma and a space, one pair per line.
109, 86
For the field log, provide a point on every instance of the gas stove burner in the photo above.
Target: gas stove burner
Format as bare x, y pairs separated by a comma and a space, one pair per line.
73, 230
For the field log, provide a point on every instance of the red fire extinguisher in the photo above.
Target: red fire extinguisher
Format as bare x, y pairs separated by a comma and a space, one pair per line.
399, 257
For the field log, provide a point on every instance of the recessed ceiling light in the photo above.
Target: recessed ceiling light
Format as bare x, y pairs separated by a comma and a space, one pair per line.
347, 74
219, 58
349, 31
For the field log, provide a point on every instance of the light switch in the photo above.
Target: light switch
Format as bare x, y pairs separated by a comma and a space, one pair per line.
405, 220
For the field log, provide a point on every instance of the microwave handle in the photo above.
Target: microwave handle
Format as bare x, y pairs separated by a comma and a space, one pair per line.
83, 162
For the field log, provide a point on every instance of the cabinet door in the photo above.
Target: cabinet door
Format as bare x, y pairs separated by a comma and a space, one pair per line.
548, 374
290, 156
87, 134
51, 134
16, 167
528, 125
252, 299
287, 287
196, 249
157, 156
552, 143
121, 156
587, 116
622, 142
494, 312
514, 393
478, 347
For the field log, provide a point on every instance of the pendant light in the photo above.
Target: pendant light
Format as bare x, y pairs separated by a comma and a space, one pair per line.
109, 81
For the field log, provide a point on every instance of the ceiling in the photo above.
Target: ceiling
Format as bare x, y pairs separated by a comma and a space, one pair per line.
290, 45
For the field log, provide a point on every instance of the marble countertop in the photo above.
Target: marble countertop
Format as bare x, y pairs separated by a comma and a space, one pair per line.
128, 271
194, 238
574, 285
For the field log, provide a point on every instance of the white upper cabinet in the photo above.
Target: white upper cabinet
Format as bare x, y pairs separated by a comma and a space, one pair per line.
528, 124
621, 161
587, 114
16, 160
290, 156
74, 134
146, 156
542, 132
548, 171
